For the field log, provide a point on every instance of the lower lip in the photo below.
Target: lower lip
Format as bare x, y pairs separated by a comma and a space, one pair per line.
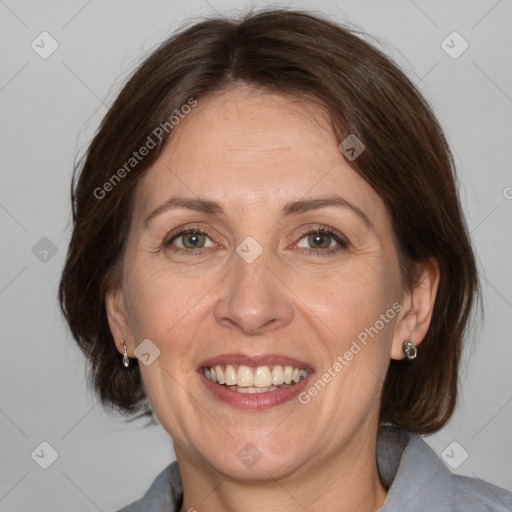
255, 400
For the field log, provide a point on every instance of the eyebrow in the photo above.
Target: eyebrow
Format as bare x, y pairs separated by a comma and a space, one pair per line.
306, 205
291, 208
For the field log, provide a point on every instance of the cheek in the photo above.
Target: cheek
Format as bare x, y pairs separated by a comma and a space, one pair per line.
164, 307
163, 303
351, 296
153, 308
358, 312
355, 311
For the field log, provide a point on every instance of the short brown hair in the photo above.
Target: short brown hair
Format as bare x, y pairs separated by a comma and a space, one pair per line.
406, 160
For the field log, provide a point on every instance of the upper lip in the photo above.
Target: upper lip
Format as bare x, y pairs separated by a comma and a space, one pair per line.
255, 360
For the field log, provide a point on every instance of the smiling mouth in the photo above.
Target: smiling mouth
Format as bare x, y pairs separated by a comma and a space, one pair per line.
254, 379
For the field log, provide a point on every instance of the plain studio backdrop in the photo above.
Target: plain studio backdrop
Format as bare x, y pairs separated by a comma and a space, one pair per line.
62, 64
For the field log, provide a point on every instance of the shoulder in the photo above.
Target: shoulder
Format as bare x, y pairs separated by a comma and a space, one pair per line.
481, 495
418, 480
164, 494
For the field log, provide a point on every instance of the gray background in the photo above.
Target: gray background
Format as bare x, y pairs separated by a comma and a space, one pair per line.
49, 110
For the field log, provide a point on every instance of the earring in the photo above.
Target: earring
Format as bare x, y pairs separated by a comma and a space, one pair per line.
409, 349
126, 361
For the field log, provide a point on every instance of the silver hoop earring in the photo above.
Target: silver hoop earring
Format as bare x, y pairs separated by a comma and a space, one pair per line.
409, 349
126, 361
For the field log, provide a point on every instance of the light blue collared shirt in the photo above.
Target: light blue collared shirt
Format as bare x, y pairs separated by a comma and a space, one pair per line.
416, 479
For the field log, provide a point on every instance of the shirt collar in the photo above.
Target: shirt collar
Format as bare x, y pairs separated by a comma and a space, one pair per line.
415, 476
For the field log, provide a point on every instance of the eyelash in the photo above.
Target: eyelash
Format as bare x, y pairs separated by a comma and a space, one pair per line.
320, 230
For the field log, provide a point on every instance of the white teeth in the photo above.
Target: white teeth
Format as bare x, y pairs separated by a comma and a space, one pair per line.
230, 375
245, 376
262, 377
277, 375
288, 374
220, 374
252, 390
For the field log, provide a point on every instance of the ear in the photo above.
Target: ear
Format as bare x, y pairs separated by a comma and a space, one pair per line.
418, 306
117, 315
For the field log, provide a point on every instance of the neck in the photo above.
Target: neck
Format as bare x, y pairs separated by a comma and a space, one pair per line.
341, 482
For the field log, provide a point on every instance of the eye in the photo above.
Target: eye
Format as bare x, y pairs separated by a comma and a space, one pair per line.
323, 240
189, 239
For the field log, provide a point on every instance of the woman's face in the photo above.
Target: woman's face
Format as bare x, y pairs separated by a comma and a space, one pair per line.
288, 260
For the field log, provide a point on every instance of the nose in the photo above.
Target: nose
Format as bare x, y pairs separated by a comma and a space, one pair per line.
253, 299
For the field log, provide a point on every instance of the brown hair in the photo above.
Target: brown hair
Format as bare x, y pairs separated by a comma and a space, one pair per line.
406, 160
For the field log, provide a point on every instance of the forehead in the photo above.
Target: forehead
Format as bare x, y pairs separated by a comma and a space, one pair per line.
250, 149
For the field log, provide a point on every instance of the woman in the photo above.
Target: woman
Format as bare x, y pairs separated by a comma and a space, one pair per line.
269, 256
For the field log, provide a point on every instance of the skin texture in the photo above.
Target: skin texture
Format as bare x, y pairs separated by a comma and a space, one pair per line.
252, 152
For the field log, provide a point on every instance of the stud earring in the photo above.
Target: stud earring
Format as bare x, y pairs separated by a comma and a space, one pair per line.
409, 349
126, 361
